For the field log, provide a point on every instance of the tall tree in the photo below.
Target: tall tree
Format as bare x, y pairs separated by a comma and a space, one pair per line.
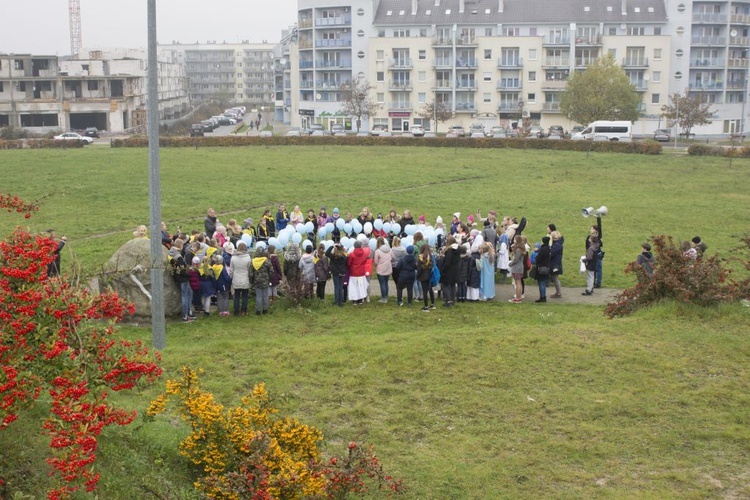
436, 111
356, 99
687, 111
601, 92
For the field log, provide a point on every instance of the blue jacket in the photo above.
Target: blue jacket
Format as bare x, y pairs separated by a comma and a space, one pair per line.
556, 256
407, 269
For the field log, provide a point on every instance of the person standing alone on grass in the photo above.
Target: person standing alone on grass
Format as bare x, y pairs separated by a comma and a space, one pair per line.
590, 261
597, 231
556, 261
646, 260
53, 268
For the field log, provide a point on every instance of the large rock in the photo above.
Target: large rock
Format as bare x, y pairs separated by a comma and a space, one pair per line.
128, 273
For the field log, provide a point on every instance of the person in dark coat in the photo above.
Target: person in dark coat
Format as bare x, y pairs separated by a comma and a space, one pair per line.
407, 273
556, 261
543, 259
337, 260
449, 272
210, 223
53, 268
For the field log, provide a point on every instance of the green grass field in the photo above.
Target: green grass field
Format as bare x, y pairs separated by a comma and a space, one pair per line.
479, 401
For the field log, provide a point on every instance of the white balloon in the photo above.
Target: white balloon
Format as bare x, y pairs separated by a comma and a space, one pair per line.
378, 224
368, 227
340, 223
296, 238
329, 227
301, 229
328, 244
387, 227
307, 243
373, 243
309, 227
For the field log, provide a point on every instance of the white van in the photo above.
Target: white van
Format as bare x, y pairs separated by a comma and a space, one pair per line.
606, 130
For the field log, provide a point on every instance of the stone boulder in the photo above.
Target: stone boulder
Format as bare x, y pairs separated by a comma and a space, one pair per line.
128, 273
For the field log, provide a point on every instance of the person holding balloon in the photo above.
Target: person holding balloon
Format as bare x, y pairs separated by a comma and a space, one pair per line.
273, 292
311, 222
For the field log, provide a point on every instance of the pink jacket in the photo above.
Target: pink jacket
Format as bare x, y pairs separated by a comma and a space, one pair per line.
382, 261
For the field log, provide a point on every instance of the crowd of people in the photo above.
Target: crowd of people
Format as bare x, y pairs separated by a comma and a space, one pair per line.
455, 261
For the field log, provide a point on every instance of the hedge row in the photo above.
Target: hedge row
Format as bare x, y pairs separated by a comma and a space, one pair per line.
647, 147
705, 150
39, 144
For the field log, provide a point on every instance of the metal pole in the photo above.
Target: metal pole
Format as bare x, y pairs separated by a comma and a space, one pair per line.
158, 330
676, 120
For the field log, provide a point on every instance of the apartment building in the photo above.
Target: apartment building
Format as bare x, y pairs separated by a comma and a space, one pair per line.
237, 73
501, 61
106, 90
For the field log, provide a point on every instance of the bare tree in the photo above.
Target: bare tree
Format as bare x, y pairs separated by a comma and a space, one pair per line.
435, 111
357, 101
687, 111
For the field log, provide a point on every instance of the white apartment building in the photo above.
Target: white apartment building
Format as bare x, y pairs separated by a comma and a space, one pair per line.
107, 90
237, 73
496, 61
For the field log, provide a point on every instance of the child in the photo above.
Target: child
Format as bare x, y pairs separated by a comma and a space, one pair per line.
208, 284
223, 284
260, 278
195, 283
307, 270
321, 271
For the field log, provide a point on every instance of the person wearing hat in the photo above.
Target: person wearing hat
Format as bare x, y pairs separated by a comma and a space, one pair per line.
195, 283
407, 273
249, 227
455, 223
646, 260
53, 268
336, 233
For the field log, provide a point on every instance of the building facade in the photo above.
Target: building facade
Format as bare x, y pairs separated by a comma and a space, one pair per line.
501, 61
107, 90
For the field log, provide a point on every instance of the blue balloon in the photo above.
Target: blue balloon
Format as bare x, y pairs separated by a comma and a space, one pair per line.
309, 227
328, 244
368, 228
378, 224
387, 227
346, 242
300, 228
356, 226
329, 227
306, 244
322, 232
275, 242
296, 238
248, 240
395, 228
410, 229
372, 243
407, 240
340, 223
284, 238
347, 228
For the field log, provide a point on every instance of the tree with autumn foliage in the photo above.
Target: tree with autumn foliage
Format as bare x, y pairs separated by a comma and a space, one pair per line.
687, 111
60, 339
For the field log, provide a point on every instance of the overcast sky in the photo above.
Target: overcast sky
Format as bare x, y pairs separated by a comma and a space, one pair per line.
41, 26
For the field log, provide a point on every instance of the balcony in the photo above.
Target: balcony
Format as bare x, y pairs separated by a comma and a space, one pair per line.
712, 62
551, 107
333, 65
556, 63
327, 85
707, 86
333, 42
508, 84
556, 40
510, 63
399, 85
640, 85
467, 41
443, 85
400, 63
466, 63
445, 41
734, 85
582, 63
740, 18
590, 41
554, 84
509, 107
306, 84
305, 24
306, 65
709, 18
442, 63
334, 21
739, 40
466, 107
738, 62
635, 62
708, 40
399, 105
305, 44
464, 85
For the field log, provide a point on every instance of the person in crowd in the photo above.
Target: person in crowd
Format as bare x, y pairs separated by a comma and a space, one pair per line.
336, 233
597, 231
226, 254
365, 216
357, 265
338, 265
487, 272
282, 218
166, 238
418, 242
194, 276
322, 271
543, 262
260, 278
383, 267
406, 220
270, 223
248, 228
449, 271
645, 259
489, 233
291, 265
688, 250
589, 260
296, 217
307, 271
53, 268
263, 233
474, 275
556, 261
397, 252
407, 268
379, 233
208, 284
455, 223
234, 231
210, 222
313, 219
440, 228
323, 217
181, 278
273, 292
470, 221
241, 262
516, 267
425, 262
220, 235
463, 272
140, 232
699, 245
223, 284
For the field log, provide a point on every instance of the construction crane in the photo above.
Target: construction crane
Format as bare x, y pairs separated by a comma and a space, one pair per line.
74, 17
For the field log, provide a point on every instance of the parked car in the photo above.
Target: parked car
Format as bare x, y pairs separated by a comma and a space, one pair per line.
417, 130
662, 135
494, 130
196, 130
337, 128
317, 126
458, 130
477, 135
221, 119
295, 132
499, 133
92, 132
378, 129
208, 126
73, 136
266, 133
476, 127
512, 132
318, 133
535, 132
576, 130
556, 130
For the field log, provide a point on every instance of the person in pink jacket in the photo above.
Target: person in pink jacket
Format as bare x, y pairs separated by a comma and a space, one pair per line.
383, 267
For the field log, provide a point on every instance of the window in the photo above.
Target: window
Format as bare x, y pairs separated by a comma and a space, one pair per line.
636, 30
511, 31
421, 97
93, 84
1, 86
401, 34
612, 31
380, 76
656, 76
380, 97
85, 67
423, 32
487, 54
379, 55
654, 98
532, 54
487, 76
657, 54
486, 97
17, 64
657, 30
422, 75
530, 98
532, 76
488, 31
422, 55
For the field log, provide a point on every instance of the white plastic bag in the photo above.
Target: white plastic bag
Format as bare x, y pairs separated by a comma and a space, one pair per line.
583, 264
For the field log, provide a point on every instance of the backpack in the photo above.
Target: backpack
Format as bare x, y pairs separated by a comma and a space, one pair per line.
434, 273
